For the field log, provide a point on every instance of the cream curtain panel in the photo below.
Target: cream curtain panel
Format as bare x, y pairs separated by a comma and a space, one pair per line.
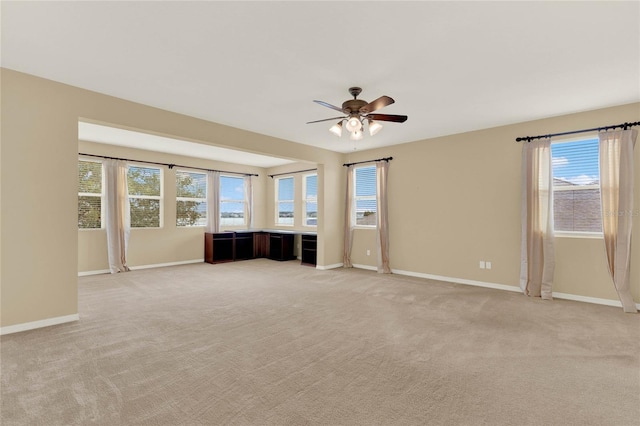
248, 201
537, 250
382, 228
349, 218
117, 214
616, 188
213, 202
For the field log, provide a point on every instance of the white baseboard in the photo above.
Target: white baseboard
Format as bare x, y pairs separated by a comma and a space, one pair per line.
587, 299
133, 268
97, 272
162, 265
38, 324
367, 267
458, 280
327, 267
565, 296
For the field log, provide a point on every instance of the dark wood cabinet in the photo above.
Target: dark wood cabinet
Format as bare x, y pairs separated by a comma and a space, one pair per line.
219, 247
243, 246
309, 244
260, 244
230, 246
281, 247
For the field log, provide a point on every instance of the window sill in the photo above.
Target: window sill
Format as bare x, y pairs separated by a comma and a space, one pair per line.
587, 235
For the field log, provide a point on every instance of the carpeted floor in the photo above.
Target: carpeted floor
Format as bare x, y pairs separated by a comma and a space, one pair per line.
268, 343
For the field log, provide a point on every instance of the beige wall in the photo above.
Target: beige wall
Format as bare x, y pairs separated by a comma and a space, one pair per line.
38, 167
455, 200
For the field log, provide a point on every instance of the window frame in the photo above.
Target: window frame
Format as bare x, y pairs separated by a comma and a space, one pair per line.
197, 200
357, 198
160, 198
306, 199
278, 201
243, 201
91, 194
574, 234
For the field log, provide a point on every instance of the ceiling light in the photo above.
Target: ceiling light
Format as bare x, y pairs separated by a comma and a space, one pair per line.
354, 123
336, 129
356, 135
374, 127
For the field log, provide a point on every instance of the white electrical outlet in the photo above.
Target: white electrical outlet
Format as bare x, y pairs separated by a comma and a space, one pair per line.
368, 252
482, 264
488, 265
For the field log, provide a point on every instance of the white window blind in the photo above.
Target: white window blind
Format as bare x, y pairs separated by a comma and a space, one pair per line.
310, 200
232, 203
284, 201
191, 198
145, 196
576, 186
365, 196
90, 194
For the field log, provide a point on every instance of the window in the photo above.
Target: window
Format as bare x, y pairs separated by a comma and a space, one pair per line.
232, 204
365, 196
191, 198
576, 186
310, 202
90, 194
284, 201
145, 196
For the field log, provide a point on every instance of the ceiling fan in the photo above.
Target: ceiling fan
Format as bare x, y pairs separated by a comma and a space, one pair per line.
357, 111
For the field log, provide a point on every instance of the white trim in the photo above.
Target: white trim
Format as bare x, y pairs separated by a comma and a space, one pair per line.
571, 234
162, 265
565, 296
97, 272
38, 324
327, 267
587, 299
367, 267
134, 268
458, 280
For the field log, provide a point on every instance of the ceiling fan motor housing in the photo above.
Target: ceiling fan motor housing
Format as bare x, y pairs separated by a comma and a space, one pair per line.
353, 106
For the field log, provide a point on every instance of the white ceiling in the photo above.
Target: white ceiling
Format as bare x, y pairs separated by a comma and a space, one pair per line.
113, 136
452, 67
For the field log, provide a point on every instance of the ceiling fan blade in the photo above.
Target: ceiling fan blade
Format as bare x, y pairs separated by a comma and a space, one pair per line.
387, 117
328, 105
381, 102
326, 119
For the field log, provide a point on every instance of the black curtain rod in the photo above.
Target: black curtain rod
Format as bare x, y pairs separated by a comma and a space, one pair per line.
290, 173
171, 166
368, 161
624, 126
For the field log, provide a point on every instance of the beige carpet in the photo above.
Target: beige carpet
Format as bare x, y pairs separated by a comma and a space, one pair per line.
268, 343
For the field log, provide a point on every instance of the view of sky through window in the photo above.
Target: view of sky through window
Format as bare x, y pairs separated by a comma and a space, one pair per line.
576, 162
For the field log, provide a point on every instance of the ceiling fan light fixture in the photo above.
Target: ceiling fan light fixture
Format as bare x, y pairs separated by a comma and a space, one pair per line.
374, 127
356, 112
353, 123
336, 129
